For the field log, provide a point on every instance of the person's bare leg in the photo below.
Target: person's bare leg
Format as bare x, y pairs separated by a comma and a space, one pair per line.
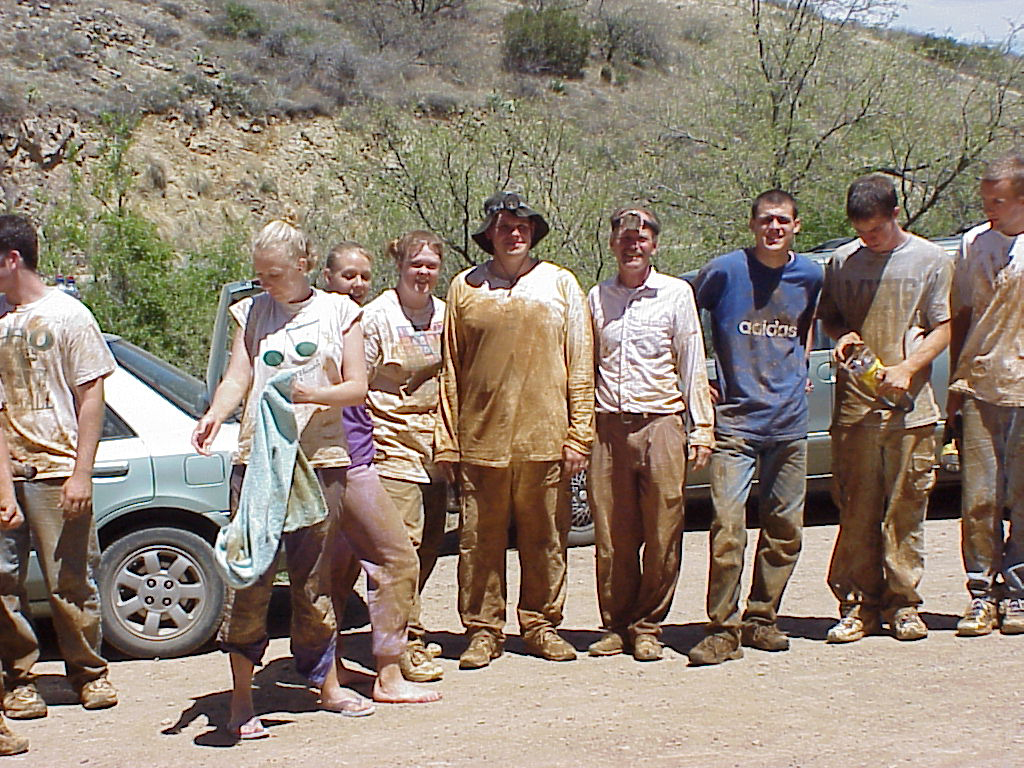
336, 698
242, 720
392, 688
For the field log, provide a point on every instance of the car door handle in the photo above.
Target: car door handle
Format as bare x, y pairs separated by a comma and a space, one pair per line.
827, 372
119, 469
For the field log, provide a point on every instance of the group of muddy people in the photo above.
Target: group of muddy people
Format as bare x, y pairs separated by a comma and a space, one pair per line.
357, 415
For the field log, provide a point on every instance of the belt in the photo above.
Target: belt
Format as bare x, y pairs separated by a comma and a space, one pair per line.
636, 418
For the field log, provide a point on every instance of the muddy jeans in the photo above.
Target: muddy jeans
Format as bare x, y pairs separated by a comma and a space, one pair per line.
423, 507
244, 627
882, 478
782, 489
992, 453
68, 553
367, 533
635, 485
535, 496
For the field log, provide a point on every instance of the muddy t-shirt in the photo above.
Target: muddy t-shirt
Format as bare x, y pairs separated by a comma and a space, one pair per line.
518, 376
309, 336
403, 363
892, 300
47, 348
989, 280
760, 318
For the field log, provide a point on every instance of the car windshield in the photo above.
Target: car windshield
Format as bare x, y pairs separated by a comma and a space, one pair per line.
183, 390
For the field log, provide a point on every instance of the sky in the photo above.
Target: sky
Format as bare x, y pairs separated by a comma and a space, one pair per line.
966, 20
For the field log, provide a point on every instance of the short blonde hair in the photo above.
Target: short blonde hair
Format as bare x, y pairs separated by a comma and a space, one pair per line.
402, 247
1009, 167
347, 246
281, 234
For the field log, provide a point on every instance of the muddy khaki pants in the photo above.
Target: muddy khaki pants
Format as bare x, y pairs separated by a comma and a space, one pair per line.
992, 453
68, 553
535, 496
635, 485
243, 629
882, 478
782, 488
423, 507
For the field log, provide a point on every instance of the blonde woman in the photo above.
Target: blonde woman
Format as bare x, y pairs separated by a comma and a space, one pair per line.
292, 327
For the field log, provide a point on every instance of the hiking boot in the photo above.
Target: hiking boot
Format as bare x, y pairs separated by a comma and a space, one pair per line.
610, 644
24, 703
10, 742
98, 694
715, 648
418, 665
549, 645
483, 648
850, 629
907, 624
1012, 610
979, 619
646, 648
764, 637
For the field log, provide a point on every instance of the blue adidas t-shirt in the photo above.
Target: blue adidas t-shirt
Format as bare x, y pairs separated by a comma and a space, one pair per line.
760, 318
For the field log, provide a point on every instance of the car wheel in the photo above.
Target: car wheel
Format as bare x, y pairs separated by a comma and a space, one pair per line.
582, 531
160, 593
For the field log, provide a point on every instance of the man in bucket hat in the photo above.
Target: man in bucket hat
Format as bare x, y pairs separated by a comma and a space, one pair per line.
516, 413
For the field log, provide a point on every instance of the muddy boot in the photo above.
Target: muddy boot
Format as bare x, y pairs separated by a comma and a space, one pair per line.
418, 665
11, 743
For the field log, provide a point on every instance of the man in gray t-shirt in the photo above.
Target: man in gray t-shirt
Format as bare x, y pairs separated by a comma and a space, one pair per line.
885, 301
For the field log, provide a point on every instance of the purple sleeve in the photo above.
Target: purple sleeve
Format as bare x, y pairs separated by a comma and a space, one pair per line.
359, 431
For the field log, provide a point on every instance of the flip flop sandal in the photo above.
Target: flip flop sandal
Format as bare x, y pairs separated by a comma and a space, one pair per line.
250, 730
360, 707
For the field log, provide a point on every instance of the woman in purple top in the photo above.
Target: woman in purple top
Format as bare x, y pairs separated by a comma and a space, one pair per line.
348, 271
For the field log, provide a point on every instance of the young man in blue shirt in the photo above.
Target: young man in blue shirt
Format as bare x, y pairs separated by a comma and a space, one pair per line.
761, 301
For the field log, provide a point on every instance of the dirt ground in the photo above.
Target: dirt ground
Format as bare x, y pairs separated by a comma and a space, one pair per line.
944, 701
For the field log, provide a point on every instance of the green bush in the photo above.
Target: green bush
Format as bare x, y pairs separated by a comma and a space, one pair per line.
550, 41
239, 20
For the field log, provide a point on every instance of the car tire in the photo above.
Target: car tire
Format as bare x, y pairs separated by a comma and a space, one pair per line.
160, 593
581, 533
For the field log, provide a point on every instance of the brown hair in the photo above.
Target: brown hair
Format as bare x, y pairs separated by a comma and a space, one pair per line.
870, 196
346, 246
647, 213
406, 245
1007, 167
18, 234
282, 234
773, 197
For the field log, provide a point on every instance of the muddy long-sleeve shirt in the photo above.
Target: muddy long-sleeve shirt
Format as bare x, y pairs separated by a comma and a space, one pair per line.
517, 381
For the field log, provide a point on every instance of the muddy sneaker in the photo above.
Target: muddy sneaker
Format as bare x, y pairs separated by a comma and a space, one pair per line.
611, 644
11, 743
647, 648
549, 645
1012, 622
907, 624
764, 637
979, 619
24, 703
715, 648
418, 665
849, 629
98, 694
482, 649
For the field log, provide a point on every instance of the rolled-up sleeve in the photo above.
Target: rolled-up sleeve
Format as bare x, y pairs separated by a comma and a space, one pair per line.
691, 364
